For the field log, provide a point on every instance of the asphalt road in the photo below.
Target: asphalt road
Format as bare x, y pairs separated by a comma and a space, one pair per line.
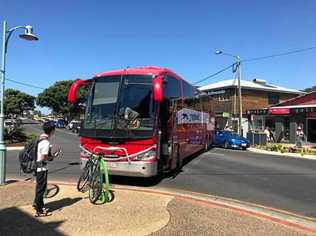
273, 181
65, 168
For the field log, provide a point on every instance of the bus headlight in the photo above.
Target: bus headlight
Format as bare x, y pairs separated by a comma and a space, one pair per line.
147, 155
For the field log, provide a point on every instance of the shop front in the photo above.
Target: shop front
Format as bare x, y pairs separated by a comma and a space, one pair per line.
284, 121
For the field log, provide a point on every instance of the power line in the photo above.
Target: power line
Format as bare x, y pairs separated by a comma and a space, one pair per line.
257, 59
212, 75
279, 54
25, 84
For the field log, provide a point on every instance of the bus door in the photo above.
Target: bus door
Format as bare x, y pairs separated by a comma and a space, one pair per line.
168, 124
177, 135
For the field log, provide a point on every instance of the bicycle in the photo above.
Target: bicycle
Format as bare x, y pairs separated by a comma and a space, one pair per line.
92, 176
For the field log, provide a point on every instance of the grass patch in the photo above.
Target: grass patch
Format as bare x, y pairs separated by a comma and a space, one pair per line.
286, 149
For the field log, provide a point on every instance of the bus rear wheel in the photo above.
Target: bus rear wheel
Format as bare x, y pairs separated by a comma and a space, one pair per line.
206, 146
179, 164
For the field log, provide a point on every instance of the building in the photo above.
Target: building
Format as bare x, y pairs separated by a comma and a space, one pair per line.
286, 116
256, 94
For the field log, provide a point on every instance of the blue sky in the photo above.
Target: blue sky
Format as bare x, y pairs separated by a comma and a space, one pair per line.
80, 38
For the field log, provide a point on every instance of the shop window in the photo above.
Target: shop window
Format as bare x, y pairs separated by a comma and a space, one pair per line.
258, 124
273, 98
224, 97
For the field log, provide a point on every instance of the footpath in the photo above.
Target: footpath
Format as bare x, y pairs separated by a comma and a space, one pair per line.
140, 211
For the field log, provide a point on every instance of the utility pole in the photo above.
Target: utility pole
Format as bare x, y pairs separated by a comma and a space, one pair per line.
237, 70
239, 96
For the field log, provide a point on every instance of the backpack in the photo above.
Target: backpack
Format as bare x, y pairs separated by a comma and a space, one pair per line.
28, 157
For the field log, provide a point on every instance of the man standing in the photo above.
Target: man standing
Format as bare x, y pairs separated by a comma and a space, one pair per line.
43, 155
267, 133
299, 137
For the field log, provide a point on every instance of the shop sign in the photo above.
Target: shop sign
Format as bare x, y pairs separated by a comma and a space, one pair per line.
216, 92
279, 111
226, 114
304, 110
258, 112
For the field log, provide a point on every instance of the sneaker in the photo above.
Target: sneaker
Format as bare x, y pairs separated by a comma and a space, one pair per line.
42, 214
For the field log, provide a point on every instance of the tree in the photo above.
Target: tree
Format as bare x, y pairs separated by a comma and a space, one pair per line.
55, 98
16, 102
311, 89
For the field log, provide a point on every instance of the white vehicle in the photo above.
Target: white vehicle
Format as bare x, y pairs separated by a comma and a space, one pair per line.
71, 124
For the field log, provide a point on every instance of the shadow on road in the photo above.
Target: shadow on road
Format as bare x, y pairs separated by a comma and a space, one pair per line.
65, 167
60, 204
16, 222
30, 122
151, 181
135, 181
10, 182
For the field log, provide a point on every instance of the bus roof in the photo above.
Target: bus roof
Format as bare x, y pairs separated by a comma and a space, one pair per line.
154, 70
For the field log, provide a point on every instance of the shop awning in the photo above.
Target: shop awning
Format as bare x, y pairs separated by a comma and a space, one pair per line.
285, 110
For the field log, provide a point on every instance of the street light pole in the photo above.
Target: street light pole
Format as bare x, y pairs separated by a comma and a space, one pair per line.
239, 96
2, 144
28, 35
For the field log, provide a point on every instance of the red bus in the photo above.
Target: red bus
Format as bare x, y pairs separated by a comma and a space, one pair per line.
143, 120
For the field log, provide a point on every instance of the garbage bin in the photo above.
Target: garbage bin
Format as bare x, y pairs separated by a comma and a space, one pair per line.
256, 138
250, 137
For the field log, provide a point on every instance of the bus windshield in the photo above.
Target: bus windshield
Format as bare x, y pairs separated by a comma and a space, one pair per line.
121, 103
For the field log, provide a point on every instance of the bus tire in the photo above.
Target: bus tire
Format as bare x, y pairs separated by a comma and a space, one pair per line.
207, 145
179, 161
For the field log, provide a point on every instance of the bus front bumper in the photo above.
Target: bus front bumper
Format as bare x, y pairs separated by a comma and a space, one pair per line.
133, 169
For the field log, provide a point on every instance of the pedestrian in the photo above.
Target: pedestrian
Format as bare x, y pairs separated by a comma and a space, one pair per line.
44, 154
267, 133
299, 137
271, 135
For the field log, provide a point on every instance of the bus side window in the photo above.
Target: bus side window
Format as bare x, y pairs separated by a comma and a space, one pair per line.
171, 88
187, 90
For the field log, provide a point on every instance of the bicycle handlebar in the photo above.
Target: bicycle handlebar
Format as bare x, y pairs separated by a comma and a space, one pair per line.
113, 149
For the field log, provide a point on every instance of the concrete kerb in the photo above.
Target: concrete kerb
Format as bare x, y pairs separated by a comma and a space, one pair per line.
271, 214
294, 155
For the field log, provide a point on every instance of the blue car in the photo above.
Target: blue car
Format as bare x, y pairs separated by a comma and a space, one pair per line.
60, 124
228, 139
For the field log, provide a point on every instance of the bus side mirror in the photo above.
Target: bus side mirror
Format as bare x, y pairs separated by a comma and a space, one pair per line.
158, 89
72, 93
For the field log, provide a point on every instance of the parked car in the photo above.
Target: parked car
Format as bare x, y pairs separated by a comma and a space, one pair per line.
71, 123
60, 123
76, 127
228, 139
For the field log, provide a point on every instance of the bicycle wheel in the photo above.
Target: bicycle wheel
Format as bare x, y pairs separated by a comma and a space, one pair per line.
84, 177
96, 185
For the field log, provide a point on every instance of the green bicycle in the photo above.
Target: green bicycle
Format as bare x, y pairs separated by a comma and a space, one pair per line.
92, 177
